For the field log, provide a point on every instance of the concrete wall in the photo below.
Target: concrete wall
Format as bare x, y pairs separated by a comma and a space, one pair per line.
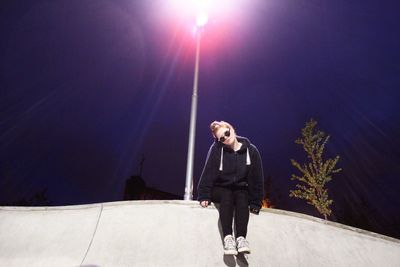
179, 233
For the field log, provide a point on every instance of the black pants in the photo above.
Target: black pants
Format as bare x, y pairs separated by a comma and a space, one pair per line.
232, 201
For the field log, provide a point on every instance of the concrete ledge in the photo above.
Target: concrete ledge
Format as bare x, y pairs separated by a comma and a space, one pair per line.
179, 233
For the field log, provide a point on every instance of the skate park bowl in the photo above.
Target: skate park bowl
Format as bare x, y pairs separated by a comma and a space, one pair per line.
179, 233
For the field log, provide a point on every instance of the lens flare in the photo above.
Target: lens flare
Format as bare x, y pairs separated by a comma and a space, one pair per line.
203, 11
201, 19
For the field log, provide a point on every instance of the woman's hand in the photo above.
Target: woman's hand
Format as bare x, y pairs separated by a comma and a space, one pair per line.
204, 203
254, 210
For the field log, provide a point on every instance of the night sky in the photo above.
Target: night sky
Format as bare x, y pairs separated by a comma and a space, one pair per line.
89, 88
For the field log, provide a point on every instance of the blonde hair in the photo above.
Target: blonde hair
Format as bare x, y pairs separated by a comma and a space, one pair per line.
215, 125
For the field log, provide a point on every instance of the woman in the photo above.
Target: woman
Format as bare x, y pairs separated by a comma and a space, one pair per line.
233, 177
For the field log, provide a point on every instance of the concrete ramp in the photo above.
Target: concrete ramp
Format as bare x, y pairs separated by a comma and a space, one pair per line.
179, 233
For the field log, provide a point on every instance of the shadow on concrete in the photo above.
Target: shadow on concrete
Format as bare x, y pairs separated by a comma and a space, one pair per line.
241, 260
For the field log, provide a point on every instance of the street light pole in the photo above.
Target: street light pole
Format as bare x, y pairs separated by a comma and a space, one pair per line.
192, 130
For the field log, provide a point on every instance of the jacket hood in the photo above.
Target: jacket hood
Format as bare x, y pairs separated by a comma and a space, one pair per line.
244, 148
245, 142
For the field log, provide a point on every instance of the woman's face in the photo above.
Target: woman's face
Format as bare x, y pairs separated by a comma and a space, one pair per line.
226, 135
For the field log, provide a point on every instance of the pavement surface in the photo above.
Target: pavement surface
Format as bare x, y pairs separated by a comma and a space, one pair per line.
179, 233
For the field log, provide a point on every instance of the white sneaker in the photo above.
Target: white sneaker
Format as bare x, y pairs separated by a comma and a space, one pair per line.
242, 245
230, 245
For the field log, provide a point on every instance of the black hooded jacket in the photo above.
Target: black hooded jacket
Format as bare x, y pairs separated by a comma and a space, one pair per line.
226, 167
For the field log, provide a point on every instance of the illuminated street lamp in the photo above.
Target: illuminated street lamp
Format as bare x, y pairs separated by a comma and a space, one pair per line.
201, 21
201, 9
